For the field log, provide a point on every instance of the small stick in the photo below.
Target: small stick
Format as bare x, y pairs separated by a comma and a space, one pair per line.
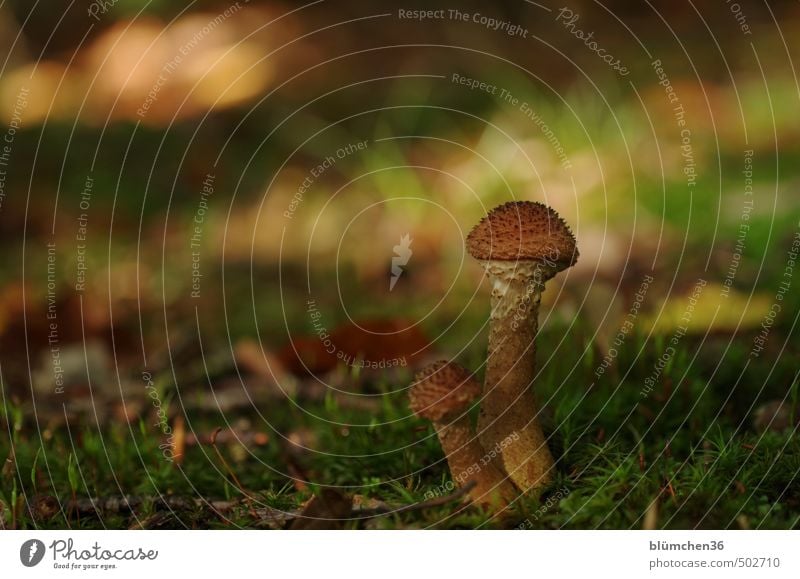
239, 485
422, 505
127, 504
213, 443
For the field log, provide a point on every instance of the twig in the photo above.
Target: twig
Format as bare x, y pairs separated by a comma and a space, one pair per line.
245, 492
129, 503
422, 505
98, 506
213, 443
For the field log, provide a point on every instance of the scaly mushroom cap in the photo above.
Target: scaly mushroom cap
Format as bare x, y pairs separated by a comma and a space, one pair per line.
523, 230
442, 389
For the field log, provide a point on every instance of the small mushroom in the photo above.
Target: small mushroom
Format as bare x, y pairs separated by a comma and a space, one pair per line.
521, 245
442, 393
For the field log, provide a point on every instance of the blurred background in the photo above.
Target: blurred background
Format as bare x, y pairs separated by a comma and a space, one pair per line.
227, 203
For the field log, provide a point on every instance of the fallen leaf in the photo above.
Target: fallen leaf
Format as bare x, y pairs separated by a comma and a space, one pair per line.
328, 510
377, 344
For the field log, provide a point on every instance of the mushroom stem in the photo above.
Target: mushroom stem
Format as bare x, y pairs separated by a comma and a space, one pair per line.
468, 462
508, 419
521, 245
442, 393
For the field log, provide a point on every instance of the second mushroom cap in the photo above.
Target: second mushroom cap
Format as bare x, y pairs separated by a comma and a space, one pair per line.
442, 389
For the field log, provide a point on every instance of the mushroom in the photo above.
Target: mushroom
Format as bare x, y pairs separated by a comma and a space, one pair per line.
442, 393
521, 245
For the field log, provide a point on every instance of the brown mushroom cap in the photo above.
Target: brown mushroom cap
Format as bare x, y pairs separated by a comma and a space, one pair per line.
521, 230
441, 389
